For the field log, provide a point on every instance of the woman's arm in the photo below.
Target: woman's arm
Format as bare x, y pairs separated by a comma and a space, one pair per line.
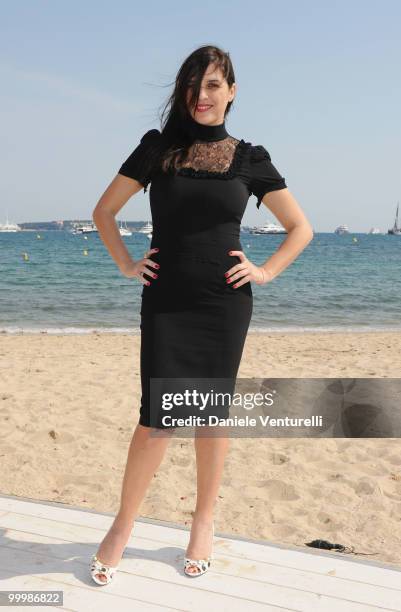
287, 211
113, 199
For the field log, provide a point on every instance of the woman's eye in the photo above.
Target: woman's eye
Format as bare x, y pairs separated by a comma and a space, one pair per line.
190, 86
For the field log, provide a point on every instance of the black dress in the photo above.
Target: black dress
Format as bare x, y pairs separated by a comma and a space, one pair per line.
194, 324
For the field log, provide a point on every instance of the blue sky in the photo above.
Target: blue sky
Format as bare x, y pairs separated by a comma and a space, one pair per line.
317, 84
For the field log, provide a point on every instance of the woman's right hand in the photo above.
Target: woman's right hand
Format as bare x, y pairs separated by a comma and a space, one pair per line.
138, 268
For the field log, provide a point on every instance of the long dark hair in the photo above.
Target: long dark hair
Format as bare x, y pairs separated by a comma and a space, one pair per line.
176, 113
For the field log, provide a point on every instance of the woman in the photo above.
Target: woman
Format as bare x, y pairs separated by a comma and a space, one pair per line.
197, 296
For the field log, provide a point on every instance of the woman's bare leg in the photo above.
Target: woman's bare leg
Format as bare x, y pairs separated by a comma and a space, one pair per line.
210, 456
144, 457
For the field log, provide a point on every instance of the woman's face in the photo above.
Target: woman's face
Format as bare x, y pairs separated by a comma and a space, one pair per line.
214, 96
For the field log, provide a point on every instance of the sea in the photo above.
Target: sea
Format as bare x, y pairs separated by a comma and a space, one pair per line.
57, 282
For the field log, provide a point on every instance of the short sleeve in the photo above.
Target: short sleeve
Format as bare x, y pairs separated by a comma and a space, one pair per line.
141, 163
264, 175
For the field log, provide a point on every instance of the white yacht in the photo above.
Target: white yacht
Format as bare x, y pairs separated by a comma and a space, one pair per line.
146, 229
268, 228
124, 231
396, 229
84, 228
9, 227
375, 230
341, 229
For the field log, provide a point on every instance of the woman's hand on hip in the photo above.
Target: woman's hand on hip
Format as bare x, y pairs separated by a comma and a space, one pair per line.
137, 269
246, 271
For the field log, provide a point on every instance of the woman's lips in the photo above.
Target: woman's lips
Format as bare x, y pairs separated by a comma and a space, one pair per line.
202, 108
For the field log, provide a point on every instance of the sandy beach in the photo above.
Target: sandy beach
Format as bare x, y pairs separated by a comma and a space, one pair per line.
69, 404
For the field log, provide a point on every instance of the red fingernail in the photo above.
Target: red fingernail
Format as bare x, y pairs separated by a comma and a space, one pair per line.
154, 275
228, 280
157, 266
148, 283
226, 274
235, 286
157, 249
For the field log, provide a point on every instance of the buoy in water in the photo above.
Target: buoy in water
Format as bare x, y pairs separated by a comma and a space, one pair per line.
25, 256
85, 252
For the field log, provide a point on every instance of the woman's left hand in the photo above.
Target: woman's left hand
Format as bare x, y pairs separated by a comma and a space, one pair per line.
246, 271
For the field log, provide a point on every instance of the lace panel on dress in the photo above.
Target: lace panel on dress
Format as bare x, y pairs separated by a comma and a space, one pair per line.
215, 156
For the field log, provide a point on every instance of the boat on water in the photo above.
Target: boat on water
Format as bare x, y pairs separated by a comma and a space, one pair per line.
9, 227
268, 228
341, 229
124, 231
146, 229
84, 228
375, 230
396, 229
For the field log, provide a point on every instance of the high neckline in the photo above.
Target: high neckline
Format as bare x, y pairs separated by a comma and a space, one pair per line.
205, 133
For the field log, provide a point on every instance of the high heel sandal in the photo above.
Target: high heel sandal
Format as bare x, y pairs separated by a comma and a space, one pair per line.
107, 571
97, 567
202, 565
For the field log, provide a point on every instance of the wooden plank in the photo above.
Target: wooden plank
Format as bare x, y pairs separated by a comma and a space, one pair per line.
184, 596
314, 560
92, 518
78, 597
241, 577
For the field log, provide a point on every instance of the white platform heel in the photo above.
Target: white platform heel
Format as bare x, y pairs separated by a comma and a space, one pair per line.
97, 567
202, 565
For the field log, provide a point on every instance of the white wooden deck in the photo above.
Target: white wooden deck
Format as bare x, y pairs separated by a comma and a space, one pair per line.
47, 546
